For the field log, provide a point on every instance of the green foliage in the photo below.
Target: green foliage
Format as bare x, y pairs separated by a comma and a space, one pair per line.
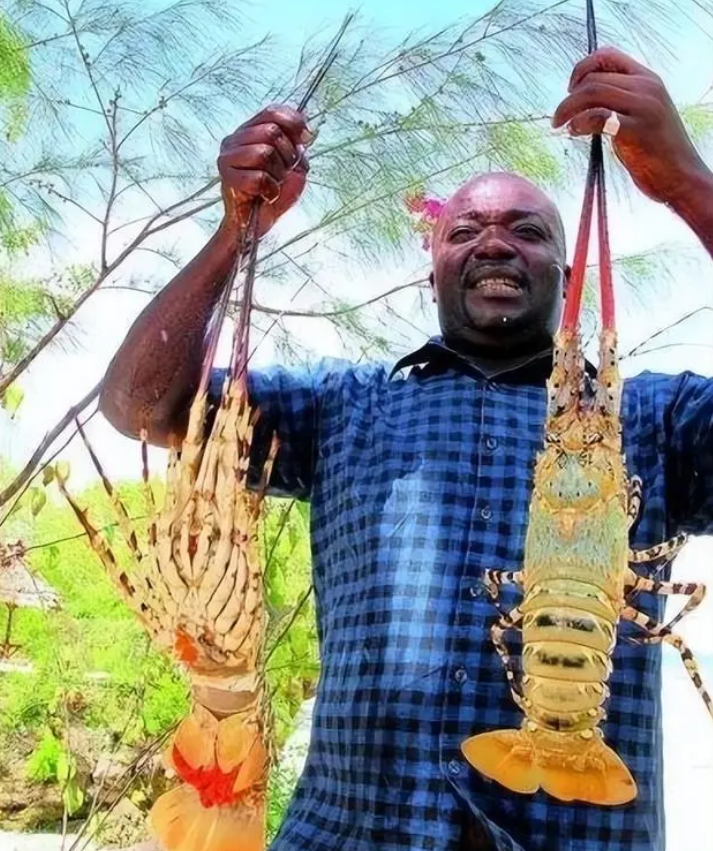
279, 794
44, 759
93, 646
14, 79
29, 307
698, 118
72, 792
51, 762
293, 659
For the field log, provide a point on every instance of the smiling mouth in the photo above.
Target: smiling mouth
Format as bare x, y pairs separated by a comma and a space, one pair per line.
497, 286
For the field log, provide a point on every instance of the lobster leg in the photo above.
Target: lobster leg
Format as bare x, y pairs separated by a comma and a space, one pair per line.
634, 506
666, 550
506, 621
495, 579
657, 633
695, 590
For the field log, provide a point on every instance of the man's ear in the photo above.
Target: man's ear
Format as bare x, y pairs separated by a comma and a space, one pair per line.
567, 276
432, 282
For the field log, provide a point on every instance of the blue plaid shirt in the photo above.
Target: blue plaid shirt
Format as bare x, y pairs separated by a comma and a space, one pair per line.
419, 480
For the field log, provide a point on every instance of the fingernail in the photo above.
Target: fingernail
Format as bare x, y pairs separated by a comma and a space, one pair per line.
308, 136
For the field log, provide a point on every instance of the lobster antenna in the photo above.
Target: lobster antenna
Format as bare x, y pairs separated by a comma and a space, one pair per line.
595, 186
247, 260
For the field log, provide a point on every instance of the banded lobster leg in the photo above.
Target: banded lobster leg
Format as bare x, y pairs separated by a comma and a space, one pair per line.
635, 496
493, 580
657, 633
666, 550
696, 591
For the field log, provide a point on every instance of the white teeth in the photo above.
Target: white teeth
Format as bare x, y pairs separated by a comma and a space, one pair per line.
497, 285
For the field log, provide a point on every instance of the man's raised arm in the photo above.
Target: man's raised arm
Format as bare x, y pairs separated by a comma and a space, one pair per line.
154, 375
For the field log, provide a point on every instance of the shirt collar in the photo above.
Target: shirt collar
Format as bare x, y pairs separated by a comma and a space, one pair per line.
436, 355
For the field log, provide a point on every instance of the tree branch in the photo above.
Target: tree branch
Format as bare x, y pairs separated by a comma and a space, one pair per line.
114, 152
326, 314
452, 51
87, 64
679, 321
27, 471
146, 232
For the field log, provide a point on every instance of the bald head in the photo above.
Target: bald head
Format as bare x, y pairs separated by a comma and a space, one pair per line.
493, 189
499, 265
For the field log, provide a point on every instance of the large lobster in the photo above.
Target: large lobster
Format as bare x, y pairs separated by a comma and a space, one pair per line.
577, 581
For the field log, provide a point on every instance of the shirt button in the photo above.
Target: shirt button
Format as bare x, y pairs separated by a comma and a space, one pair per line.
491, 443
476, 591
454, 767
460, 675
486, 513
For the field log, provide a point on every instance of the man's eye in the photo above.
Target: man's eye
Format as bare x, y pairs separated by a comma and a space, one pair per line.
529, 232
462, 234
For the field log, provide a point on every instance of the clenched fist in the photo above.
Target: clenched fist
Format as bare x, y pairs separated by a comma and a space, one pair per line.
265, 159
652, 142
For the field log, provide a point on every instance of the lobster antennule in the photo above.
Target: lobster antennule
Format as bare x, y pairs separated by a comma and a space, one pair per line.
596, 776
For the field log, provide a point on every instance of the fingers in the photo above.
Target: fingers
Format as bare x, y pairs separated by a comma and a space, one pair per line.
607, 59
292, 123
256, 160
588, 97
592, 121
268, 135
251, 183
265, 159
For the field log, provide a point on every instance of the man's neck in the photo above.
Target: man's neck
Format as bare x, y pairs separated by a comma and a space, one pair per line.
493, 361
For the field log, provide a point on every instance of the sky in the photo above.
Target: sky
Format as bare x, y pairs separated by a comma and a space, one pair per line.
65, 373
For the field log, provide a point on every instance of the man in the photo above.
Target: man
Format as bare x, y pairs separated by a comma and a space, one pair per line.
419, 481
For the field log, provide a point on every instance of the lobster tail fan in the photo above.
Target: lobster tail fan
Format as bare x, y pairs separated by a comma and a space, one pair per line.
180, 822
220, 805
595, 774
499, 756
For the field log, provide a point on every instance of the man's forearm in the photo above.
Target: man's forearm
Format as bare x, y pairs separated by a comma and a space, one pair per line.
154, 374
694, 204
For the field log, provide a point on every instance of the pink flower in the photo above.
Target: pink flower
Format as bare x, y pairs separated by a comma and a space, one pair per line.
433, 208
427, 211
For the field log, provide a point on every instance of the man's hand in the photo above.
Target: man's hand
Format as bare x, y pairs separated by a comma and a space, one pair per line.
652, 142
265, 159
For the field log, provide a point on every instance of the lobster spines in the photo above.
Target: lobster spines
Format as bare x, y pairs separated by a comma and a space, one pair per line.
608, 388
565, 385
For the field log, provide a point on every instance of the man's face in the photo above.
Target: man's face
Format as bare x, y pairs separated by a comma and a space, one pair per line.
498, 263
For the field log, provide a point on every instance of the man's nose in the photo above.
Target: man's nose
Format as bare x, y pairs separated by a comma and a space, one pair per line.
493, 245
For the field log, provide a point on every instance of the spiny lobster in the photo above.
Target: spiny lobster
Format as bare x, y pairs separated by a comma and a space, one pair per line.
197, 587
576, 580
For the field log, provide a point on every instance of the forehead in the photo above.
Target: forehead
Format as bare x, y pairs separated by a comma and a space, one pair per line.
497, 196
